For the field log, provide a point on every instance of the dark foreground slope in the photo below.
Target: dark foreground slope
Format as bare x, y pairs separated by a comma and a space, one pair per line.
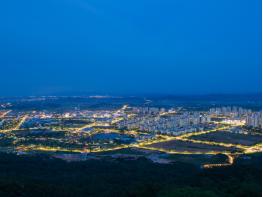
42, 176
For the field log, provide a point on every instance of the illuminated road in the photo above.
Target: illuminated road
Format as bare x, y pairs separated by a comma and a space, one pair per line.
5, 113
22, 120
81, 138
145, 144
90, 125
230, 161
253, 149
203, 132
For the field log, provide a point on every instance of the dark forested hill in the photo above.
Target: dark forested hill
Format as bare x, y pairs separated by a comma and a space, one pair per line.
42, 176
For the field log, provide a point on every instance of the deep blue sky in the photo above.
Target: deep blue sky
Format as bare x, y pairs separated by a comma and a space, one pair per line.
130, 47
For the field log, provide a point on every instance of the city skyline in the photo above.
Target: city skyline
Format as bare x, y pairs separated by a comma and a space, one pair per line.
131, 98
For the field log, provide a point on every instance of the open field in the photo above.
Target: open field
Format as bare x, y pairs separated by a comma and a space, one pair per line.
227, 137
182, 146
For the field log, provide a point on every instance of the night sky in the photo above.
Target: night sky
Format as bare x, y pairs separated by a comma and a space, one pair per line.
130, 47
